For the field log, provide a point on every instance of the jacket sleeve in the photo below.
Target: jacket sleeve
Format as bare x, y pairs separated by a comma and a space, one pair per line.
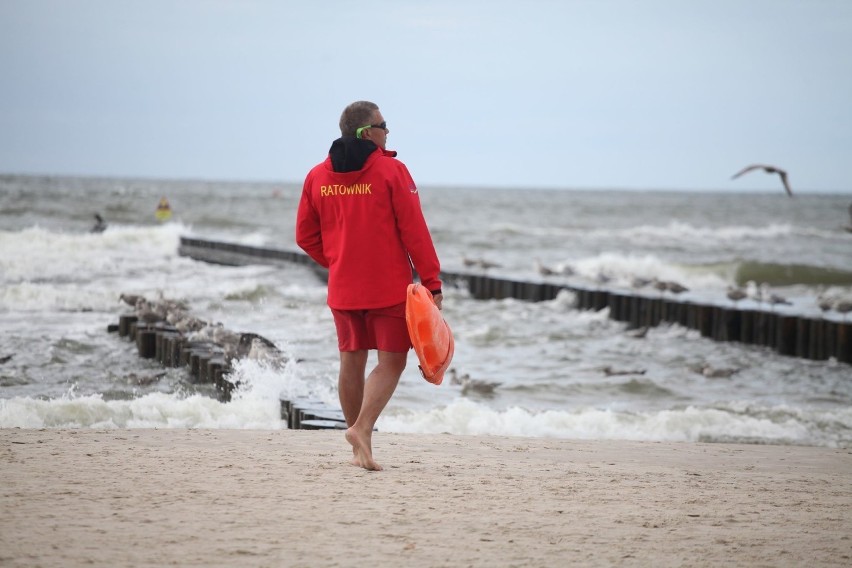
308, 233
414, 231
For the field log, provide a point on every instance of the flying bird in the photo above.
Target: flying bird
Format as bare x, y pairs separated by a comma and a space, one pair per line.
770, 170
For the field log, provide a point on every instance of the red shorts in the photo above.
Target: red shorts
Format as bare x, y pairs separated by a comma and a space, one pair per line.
379, 328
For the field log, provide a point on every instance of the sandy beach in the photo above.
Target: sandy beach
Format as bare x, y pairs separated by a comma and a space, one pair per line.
290, 498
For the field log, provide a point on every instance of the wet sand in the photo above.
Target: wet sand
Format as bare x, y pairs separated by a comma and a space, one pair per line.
291, 498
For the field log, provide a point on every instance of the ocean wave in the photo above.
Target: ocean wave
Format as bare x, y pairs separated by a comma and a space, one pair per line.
671, 231
767, 425
776, 425
777, 274
41, 254
621, 270
155, 410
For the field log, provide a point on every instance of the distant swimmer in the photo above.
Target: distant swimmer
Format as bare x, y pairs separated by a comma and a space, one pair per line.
100, 225
769, 170
164, 210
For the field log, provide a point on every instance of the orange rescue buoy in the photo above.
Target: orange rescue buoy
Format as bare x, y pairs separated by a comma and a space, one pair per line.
430, 335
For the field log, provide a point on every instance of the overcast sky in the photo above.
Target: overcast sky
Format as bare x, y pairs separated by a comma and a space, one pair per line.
668, 94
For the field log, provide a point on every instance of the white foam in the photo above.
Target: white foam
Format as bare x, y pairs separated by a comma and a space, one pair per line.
39, 254
623, 268
768, 425
674, 230
156, 410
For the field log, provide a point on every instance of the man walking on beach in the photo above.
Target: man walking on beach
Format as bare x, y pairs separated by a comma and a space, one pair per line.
360, 217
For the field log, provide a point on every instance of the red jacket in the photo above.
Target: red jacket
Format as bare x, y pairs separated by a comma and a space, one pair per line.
363, 225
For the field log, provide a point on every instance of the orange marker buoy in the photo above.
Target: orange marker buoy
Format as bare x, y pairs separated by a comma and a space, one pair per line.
430, 335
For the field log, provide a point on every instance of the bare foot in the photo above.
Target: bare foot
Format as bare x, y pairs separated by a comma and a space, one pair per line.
363, 450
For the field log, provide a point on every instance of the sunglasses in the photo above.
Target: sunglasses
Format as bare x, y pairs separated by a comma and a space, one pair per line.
383, 126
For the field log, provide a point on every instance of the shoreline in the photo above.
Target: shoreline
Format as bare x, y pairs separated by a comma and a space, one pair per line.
133, 497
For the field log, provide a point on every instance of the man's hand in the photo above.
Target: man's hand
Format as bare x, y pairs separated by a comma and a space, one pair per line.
438, 299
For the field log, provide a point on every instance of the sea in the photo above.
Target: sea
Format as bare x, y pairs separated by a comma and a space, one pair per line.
544, 369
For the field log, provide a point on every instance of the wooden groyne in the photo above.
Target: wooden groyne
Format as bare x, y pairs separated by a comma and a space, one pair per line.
788, 334
206, 363
204, 360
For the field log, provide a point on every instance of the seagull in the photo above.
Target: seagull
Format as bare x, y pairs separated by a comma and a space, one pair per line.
825, 304
610, 371
676, 288
639, 333
754, 291
670, 285
544, 270
187, 324
775, 299
468, 262
770, 170
736, 294
602, 279
130, 299
476, 386
480, 262
715, 372
772, 298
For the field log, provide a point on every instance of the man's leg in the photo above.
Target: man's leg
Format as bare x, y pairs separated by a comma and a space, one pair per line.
379, 388
350, 383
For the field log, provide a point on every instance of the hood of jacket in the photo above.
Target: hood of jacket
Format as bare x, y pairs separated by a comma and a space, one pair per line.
349, 154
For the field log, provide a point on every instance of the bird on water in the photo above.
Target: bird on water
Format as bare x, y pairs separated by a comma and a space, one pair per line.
770, 170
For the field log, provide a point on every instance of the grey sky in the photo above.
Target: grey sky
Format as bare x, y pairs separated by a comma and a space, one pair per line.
589, 94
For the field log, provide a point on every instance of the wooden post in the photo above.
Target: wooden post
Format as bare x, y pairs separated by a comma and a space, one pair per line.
619, 307
730, 324
844, 342
654, 312
748, 329
803, 338
785, 335
816, 340
124, 324
671, 311
315, 424
146, 342
162, 349
703, 320
215, 369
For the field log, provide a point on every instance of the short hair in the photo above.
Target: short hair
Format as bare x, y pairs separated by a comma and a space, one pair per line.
356, 115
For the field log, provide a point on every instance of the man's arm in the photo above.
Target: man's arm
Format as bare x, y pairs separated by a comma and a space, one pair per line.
308, 231
415, 233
